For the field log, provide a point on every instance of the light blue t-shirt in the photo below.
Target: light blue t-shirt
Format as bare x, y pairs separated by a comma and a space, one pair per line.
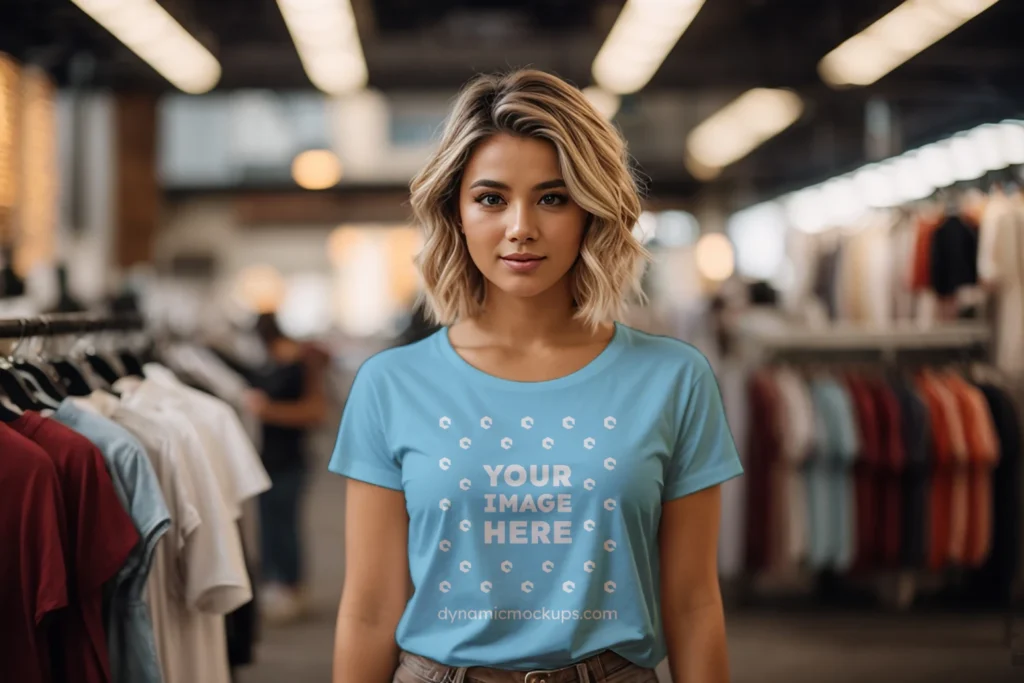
534, 506
130, 640
831, 494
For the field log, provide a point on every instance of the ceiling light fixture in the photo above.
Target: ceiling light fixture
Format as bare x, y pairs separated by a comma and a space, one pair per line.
316, 169
327, 40
739, 128
606, 103
151, 33
715, 257
911, 176
894, 39
641, 38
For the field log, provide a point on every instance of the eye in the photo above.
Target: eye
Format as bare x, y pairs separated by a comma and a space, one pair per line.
490, 199
553, 199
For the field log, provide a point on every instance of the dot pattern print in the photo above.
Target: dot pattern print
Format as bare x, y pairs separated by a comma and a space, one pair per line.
591, 486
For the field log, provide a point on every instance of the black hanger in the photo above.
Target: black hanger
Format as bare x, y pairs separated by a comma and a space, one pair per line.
41, 378
16, 388
72, 378
102, 368
21, 390
132, 365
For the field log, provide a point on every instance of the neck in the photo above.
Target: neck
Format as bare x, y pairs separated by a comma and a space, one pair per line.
520, 322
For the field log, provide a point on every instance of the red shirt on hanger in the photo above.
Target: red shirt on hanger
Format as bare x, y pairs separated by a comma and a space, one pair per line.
33, 582
100, 536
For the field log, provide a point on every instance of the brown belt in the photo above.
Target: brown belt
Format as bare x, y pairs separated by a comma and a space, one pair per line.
591, 670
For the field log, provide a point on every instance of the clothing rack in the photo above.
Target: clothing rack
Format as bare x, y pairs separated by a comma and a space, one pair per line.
69, 324
769, 337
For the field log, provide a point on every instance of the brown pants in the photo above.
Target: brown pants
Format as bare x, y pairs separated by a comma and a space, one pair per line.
606, 667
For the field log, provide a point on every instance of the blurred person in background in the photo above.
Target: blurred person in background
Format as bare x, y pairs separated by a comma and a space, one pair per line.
289, 398
605, 445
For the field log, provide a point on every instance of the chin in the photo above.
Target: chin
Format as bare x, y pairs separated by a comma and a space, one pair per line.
525, 287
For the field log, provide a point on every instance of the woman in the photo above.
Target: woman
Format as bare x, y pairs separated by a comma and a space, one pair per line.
289, 398
547, 477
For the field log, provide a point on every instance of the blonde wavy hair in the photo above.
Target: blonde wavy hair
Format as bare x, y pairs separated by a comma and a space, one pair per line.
596, 169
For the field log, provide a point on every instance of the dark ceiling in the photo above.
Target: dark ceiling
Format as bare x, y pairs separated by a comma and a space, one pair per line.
975, 75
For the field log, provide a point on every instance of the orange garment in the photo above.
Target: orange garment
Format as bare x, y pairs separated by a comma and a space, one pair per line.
920, 271
983, 452
959, 500
937, 533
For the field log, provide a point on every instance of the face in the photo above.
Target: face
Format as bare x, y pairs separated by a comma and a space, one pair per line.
522, 229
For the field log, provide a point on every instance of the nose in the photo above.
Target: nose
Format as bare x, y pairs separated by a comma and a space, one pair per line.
523, 226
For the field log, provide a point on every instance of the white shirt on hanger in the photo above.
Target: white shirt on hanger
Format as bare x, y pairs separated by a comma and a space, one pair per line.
199, 572
244, 466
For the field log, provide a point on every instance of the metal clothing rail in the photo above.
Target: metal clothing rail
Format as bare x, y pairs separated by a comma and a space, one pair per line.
768, 335
67, 324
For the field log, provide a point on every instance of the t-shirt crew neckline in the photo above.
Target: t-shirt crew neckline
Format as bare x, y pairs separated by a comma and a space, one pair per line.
601, 362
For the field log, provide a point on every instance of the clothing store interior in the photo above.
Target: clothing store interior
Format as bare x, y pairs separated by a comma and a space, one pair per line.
204, 211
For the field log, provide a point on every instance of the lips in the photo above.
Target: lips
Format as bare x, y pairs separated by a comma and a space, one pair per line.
522, 263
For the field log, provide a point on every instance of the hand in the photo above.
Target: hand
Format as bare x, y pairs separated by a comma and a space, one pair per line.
256, 402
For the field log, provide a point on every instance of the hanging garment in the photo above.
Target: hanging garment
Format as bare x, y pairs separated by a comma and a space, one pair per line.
941, 489
100, 538
33, 574
903, 234
983, 453
199, 570
954, 256
997, 576
242, 466
921, 270
915, 423
1001, 268
866, 473
830, 485
731, 545
960, 481
915, 433
797, 432
889, 528
129, 627
763, 448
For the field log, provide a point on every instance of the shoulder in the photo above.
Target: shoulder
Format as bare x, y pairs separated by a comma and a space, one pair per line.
666, 355
399, 361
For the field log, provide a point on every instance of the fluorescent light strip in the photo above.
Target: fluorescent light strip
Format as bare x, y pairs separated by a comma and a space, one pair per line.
326, 38
909, 177
894, 39
643, 35
739, 128
160, 41
606, 103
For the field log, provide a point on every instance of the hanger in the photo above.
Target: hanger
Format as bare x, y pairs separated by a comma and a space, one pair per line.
17, 388
71, 376
132, 365
48, 391
102, 366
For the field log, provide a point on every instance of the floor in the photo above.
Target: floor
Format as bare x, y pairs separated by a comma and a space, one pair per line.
763, 647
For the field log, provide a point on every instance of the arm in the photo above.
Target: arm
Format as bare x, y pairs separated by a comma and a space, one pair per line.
376, 584
691, 601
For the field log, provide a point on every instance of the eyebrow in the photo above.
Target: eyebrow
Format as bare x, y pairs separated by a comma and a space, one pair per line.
546, 185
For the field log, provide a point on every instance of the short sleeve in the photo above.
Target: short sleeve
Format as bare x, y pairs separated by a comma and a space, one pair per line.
361, 450
41, 541
705, 453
